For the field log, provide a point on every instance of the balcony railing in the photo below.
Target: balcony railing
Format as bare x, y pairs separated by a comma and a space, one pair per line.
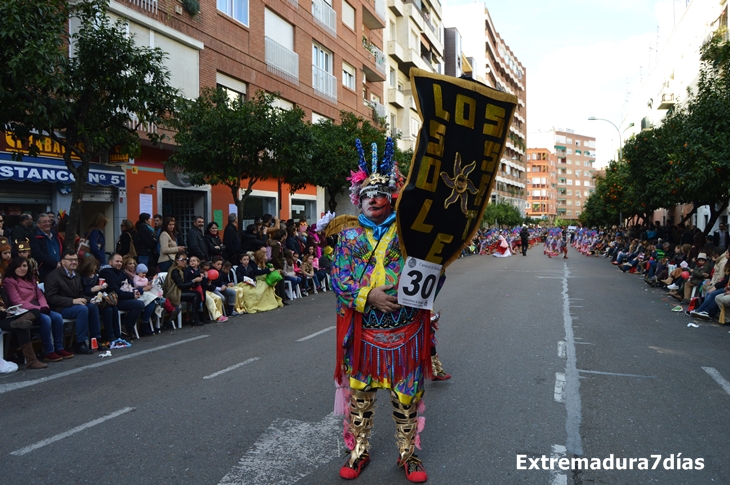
324, 83
149, 5
282, 61
325, 15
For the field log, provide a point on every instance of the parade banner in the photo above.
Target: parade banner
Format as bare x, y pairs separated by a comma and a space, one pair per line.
460, 144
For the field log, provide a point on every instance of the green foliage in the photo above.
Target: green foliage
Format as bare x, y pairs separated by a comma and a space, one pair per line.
100, 98
226, 142
502, 213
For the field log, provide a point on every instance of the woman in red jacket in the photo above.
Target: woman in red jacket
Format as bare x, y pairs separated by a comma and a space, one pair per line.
22, 290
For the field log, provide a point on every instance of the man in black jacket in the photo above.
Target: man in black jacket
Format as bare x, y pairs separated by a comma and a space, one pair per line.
46, 246
524, 239
23, 231
231, 239
196, 240
126, 294
720, 238
64, 293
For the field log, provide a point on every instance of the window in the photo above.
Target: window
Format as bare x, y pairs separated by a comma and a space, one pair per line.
233, 87
570, 162
183, 63
577, 203
392, 77
415, 126
578, 172
393, 123
543, 180
282, 103
323, 81
586, 193
348, 15
587, 163
577, 143
569, 172
536, 193
279, 45
587, 183
569, 151
316, 118
238, 9
536, 181
543, 192
570, 140
568, 192
569, 181
348, 76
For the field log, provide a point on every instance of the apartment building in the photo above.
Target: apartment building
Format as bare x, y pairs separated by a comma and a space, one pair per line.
542, 183
491, 61
413, 38
321, 55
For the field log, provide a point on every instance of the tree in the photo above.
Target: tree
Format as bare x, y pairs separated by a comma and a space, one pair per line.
98, 99
502, 213
229, 142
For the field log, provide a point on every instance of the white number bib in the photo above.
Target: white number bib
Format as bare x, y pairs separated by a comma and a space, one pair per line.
417, 285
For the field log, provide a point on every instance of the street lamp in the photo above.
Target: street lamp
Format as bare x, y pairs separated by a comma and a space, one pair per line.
620, 152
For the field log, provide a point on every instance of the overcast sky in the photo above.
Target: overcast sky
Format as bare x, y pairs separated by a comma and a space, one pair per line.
583, 58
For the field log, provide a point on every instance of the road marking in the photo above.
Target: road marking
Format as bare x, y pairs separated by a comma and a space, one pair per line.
550, 277
288, 451
572, 378
559, 391
70, 432
615, 374
215, 374
561, 349
316, 333
557, 478
718, 378
20, 385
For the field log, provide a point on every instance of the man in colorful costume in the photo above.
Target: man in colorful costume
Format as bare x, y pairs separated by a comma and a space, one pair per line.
381, 345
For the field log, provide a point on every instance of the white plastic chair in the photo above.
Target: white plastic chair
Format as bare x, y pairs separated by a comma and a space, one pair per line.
235, 278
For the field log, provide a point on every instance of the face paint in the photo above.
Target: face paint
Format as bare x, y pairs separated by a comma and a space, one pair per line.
376, 208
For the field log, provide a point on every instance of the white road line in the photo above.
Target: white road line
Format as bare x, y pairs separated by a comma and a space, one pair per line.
559, 391
615, 374
561, 349
572, 378
20, 385
316, 333
215, 374
718, 378
70, 432
557, 478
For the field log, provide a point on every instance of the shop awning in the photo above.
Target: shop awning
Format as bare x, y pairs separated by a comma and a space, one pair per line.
41, 169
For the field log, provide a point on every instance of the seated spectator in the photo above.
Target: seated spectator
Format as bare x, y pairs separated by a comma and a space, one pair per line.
119, 281
325, 262
308, 273
262, 297
177, 289
19, 325
64, 293
150, 296
224, 286
21, 289
700, 272
193, 273
711, 304
288, 272
91, 286
213, 301
319, 274
6, 255
245, 269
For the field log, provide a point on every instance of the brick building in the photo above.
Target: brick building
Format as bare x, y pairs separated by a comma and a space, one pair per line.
321, 55
542, 183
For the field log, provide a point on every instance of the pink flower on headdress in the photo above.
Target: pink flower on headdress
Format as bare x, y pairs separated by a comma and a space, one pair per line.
357, 177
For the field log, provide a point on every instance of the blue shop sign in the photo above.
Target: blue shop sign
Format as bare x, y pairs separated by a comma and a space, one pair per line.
39, 169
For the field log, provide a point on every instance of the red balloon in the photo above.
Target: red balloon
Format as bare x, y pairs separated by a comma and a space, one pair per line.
213, 274
685, 275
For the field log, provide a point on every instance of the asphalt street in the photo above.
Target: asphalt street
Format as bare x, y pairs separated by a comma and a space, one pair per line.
550, 358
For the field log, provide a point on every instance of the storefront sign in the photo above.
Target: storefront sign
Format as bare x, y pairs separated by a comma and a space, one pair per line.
36, 169
46, 147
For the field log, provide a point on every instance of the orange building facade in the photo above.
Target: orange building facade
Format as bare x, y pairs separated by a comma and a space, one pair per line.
542, 183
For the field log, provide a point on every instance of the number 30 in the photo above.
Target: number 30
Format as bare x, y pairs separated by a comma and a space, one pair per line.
428, 285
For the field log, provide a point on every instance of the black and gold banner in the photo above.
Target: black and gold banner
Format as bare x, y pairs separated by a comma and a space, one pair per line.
457, 157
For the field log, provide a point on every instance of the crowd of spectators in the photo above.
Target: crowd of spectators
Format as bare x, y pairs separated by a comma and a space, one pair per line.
156, 278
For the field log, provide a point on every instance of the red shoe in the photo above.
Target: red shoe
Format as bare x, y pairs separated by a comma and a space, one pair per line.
442, 376
350, 473
65, 354
415, 472
52, 357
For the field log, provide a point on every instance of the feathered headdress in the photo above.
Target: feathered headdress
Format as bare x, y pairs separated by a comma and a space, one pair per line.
382, 176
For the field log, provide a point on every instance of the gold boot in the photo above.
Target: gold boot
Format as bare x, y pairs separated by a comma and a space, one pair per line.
406, 429
362, 406
437, 370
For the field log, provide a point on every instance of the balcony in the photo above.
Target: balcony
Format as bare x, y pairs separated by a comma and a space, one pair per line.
667, 101
378, 110
375, 68
281, 61
324, 84
410, 100
396, 98
396, 6
149, 5
325, 16
396, 51
377, 20
412, 58
414, 12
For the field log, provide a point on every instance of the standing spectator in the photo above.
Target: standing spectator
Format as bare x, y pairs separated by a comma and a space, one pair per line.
24, 229
22, 290
5, 255
125, 245
128, 296
524, 239
46, 247
721, 237
65, 295
231, 239
196, 240
54, 223
168, 245
213, 241
95, 235
157, 221
145, 241
3, 231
